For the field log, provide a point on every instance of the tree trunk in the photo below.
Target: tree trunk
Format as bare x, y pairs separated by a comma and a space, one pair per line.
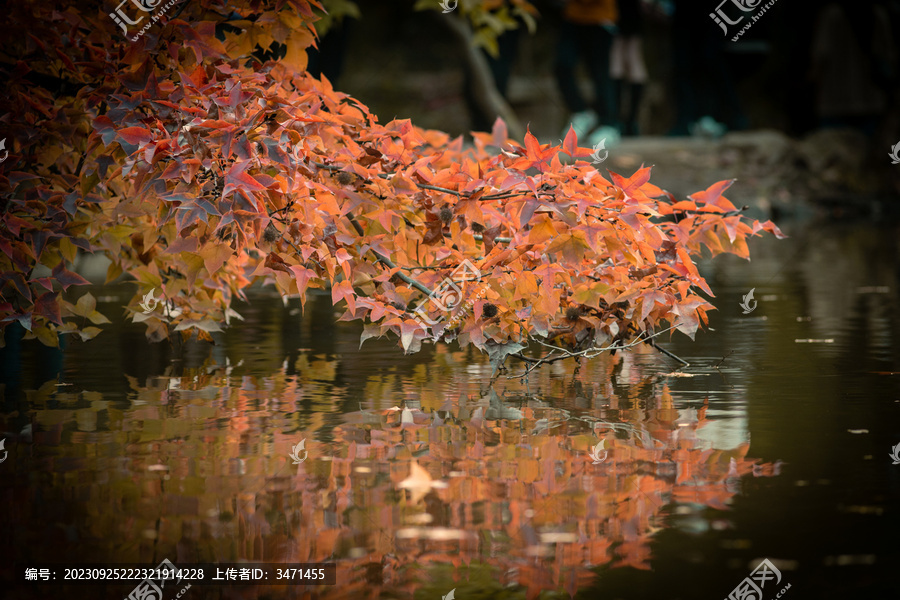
488, 98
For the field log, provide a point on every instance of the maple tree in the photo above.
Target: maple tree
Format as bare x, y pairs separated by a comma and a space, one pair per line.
197, 154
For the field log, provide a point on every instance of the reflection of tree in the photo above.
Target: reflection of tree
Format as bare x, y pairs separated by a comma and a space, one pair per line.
521, 493
524, 496
503, 489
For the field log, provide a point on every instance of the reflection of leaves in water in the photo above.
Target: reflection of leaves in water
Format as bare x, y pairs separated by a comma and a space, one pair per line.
419, 483
499, 352
543, 477
491, 479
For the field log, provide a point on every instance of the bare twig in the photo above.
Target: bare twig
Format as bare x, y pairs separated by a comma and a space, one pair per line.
381, 258
586, 353
480, 238
669, 354
716, 367
425, 186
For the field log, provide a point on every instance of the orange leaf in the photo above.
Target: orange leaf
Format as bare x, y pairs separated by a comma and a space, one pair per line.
713, 195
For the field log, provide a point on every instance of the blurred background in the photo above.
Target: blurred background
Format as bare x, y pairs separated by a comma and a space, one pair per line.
801, 102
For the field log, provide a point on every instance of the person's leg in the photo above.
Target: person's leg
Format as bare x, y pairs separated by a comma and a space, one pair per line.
684, 32
724, 102
564, 69
618, 72
597, 52
583, 119
637, 76
635, 96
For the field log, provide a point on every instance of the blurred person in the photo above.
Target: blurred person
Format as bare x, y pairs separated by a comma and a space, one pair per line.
853, 65
707, 101
586, 32
790, 55
627, 67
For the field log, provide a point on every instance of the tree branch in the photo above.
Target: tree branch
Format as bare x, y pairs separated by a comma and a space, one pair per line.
535, 363
388, 262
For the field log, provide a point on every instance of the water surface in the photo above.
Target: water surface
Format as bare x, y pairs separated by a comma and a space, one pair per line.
421, 477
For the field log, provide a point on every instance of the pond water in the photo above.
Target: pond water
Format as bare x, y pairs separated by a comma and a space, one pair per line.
421, 478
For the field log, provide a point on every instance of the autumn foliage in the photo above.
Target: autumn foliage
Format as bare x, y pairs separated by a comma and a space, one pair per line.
201, 166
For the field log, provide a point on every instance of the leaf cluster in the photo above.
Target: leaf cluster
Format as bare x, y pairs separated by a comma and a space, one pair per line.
200, 169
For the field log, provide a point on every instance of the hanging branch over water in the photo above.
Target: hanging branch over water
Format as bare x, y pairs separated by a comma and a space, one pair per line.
206, 169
